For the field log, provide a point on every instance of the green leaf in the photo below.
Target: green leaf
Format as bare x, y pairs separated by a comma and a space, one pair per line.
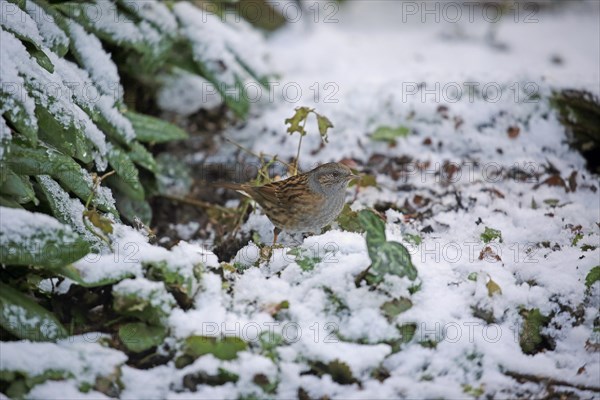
138, 336
69, 140
18, 187
127, 173
10, 203
38, 54
386, 257
142, 157
305, 261
299, 117
490, 234
374, 227
225, 348
530, 338
38, 239
47, 161
24, 318
348, 220
69, 271
12, 100
183, 286
34, 48
58, 41
593, 276
391, 309
414, 239
154, 130
106, 21
131, 209
389, 134
324, 124
147, 302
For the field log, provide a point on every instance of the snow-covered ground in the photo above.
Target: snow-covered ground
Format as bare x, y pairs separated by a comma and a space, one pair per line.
479, 154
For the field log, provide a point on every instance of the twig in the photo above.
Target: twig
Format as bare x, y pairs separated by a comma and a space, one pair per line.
97, 183
549, 381
239, 146
196, 203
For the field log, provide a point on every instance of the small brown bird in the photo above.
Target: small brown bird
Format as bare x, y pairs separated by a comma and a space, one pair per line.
302, 203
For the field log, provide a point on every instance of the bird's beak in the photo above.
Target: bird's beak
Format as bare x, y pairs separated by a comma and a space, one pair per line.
353, 176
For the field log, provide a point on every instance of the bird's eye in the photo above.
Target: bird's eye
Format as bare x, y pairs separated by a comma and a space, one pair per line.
335, 174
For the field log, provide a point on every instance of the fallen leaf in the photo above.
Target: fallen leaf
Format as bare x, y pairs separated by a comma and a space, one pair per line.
573, 181
489, 255
513, 132
493, 288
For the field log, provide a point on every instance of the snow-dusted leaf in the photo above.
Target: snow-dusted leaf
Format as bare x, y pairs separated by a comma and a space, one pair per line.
19, 23
154, 130
85, 361
127, 178
111, 121
156, 13
90, 55
37, 239
490, 234
178, 281
391, 309
26, 319
530, 337
220, 53
140, 298
5, 139
66, 209
105, 19
49, 25
47, 161
70, 141
15, 103
185, 93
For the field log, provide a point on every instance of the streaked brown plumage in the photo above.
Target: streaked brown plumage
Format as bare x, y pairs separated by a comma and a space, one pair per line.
302, 203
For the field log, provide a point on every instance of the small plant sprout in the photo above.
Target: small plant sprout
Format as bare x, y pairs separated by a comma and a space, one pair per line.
298, 124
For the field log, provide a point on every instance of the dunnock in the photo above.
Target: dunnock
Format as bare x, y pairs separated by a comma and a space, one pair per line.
302, 203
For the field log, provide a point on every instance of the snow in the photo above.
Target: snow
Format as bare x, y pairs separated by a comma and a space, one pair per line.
105, 17
53, 37
17, 224
5, 137
96, 61
155, 13
66, 390
76, 356
216, 44
20, 23
184, 93
70, 209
